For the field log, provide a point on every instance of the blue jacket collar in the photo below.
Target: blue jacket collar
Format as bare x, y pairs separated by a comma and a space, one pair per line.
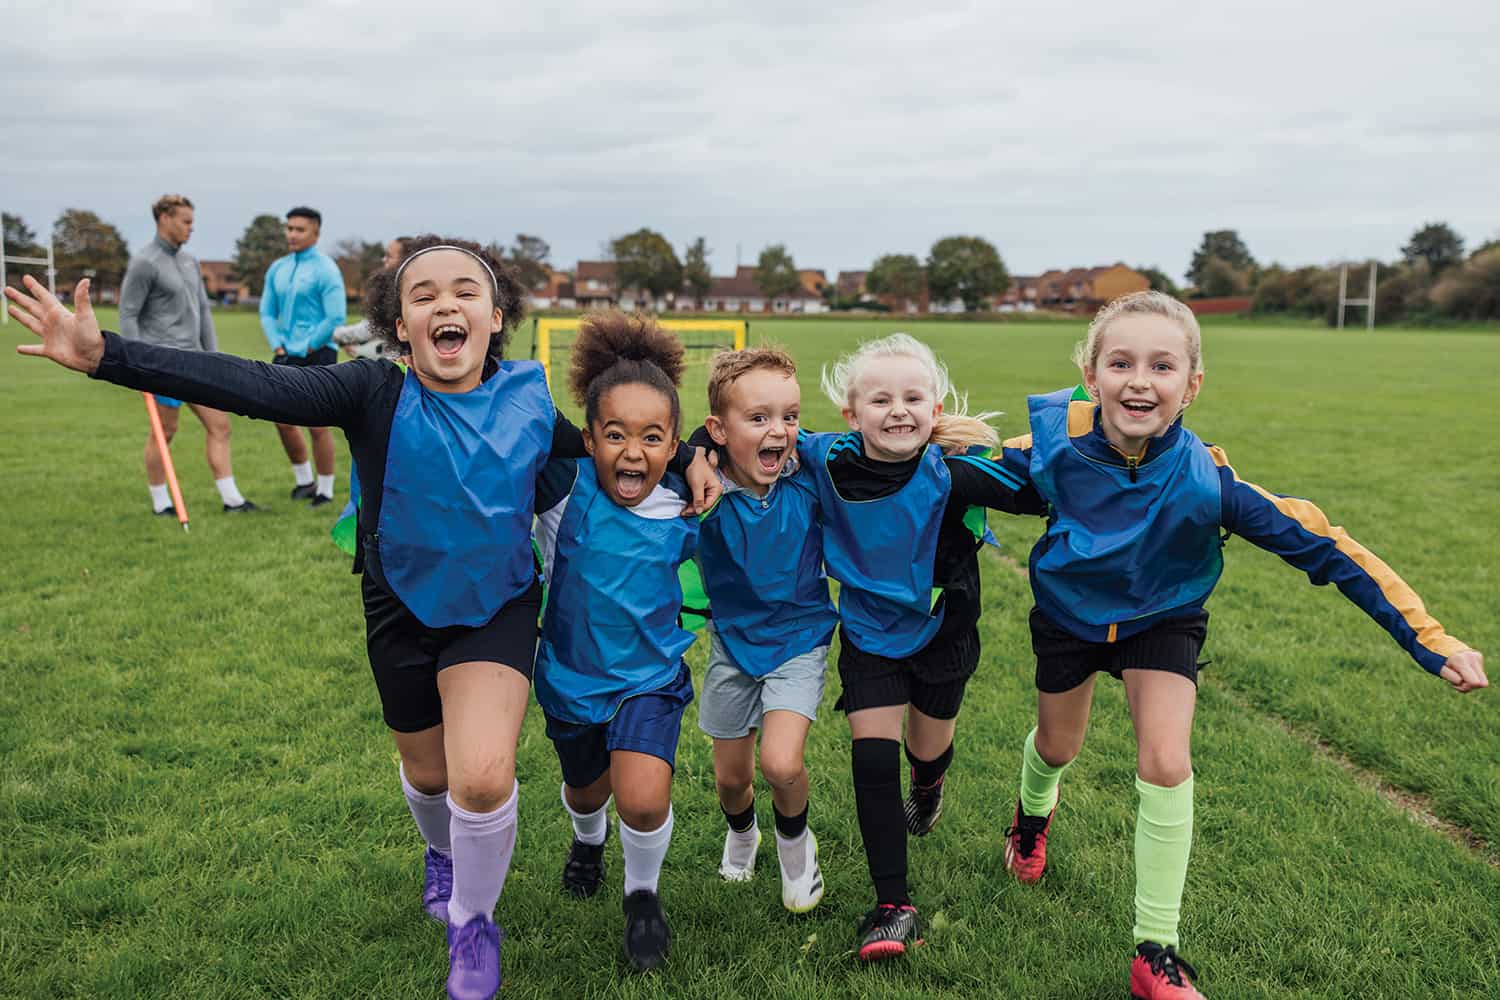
1095, 445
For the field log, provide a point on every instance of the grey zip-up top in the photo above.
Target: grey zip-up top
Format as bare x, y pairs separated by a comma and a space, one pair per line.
164, 302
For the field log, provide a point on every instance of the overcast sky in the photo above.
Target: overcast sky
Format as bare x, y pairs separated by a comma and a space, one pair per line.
1066, 133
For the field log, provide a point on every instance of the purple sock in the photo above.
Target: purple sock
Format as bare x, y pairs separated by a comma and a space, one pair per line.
431, 814
482, 847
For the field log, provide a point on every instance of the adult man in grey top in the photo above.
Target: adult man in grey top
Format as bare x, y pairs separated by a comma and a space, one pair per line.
164, 302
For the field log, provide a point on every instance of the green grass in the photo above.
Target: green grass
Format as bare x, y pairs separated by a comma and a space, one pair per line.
197, 797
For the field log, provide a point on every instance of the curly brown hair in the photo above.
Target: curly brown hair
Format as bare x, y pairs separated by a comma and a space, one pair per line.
615, 348
383, 297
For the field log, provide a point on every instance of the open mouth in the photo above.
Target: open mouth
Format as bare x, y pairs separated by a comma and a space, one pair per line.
630, 485
449, 339
1137, 406
770, 459
900, 430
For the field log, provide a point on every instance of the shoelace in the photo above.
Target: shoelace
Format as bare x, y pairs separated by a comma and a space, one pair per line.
466, 948
1168, 963
442, 881
1029, 827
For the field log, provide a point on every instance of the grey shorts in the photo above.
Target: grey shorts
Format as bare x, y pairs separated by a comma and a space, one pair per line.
732, 702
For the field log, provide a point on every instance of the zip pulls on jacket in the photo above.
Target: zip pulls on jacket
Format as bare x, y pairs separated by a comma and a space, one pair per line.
1132, 462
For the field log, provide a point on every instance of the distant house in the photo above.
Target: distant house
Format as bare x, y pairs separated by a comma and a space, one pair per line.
1021, 296
1087, 288
220, 283
549, 294
594, 284
740, 293
814, 281
851, 284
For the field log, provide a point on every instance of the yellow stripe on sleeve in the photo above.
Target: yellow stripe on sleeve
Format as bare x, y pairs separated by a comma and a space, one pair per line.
1430, 632
1080, 417
1022, 443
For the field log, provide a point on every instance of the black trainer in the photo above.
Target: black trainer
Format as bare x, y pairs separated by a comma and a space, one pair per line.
319, 500
304, 492
167, 511
647, 936
924, 804
583, 873
243, 508
888, 931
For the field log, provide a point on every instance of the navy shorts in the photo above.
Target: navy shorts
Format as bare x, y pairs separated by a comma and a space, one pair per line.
1063, 661
646, 723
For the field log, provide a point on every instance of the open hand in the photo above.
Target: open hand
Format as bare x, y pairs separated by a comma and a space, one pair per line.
1465, 671
72, 339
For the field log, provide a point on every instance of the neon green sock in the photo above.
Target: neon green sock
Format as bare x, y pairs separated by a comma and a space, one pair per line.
1163, 840
1038, 780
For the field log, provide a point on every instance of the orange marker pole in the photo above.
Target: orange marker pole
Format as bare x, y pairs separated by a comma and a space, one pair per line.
166, 459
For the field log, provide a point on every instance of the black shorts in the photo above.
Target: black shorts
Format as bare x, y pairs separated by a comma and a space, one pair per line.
322, 356
406, 655
1063, 661
932, 680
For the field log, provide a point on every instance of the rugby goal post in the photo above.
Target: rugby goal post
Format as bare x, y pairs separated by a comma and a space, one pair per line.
49, 262
1368, 301
552, 335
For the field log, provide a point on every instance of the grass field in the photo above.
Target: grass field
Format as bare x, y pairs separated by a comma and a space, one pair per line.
197, 797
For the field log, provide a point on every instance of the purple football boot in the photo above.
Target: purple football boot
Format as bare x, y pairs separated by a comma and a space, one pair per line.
437, 885
474, 960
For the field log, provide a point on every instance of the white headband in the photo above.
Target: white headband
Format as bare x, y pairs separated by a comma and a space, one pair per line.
494, 285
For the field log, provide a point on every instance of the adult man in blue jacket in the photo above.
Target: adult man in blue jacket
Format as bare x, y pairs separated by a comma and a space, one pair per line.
303, 300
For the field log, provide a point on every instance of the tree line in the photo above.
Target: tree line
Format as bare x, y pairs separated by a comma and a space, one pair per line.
1433, 279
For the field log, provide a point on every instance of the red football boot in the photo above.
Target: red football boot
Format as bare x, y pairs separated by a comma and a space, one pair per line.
1158, 973
1026, 844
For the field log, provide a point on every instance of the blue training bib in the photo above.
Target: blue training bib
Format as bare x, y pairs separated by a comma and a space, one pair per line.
454, 538
1116, 549
882, 551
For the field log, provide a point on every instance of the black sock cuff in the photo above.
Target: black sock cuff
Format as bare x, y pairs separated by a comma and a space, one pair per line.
790, 826
876, 762
741, 821
929, 772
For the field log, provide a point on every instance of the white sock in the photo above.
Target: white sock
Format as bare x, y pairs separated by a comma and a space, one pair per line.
228, 492
482, 847
431, 813
644, 852
792, 853
588, 828
160, 498
303, 473
325, 486
741, 844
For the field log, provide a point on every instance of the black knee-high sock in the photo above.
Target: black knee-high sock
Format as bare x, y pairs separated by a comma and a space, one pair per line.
929, 772
882, 821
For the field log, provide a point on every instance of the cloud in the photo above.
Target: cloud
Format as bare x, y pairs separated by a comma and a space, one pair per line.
1081, 133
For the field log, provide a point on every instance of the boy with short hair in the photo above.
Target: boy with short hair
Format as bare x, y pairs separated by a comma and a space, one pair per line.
760, 550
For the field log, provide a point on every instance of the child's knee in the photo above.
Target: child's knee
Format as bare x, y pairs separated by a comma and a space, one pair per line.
1164, 766
1057, 750
644, 816
780, 766
427, 777
484, 791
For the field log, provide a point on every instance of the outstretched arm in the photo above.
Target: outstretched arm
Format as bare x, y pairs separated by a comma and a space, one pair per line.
1003, 485
1297, 531
332, 395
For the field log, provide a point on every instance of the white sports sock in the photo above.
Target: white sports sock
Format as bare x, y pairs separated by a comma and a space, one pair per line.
228, 492
482, 847
160, 498
325, 486
302, 471
741, 844
588, 828
431, 813
644, 852
792, 853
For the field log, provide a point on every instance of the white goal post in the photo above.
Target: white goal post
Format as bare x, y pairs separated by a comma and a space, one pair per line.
49, 262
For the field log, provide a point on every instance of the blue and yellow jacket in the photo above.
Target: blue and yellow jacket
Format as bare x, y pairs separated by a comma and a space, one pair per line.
1134, 540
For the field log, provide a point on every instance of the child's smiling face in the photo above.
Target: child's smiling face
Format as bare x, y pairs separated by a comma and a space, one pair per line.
631, 439
893, 405
758, 428
448, 313
1143, 379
